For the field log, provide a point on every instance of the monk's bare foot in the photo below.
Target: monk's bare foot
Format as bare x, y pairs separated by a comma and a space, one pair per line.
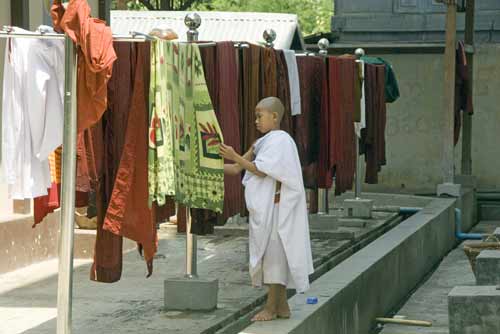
265, 315
283, 311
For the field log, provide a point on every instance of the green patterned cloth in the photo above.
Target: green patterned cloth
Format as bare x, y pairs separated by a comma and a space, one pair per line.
161, 175
199, 169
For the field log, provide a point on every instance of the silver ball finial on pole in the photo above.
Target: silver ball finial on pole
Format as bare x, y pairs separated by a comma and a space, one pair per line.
269, 36
193, 22
359, 53
323, 45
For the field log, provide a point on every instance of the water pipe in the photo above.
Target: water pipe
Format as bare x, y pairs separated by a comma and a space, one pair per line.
458, 229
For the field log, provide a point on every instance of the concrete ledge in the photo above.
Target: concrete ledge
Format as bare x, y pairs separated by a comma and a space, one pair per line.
396, 262
474, 310
22, 245
488, 267
467, 203
382, 199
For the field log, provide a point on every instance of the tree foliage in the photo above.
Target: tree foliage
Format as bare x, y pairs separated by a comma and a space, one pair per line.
153, 4
314, 15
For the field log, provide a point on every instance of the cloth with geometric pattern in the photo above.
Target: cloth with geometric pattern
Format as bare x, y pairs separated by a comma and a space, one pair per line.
199, 168
161, 175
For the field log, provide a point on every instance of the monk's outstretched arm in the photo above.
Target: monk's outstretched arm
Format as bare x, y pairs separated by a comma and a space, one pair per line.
241, 162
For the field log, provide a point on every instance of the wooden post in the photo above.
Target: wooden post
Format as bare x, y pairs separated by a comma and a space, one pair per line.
449, 92
467, 124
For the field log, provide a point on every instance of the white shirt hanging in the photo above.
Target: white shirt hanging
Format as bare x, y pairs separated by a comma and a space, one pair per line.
293, 78
32, 117
362, 124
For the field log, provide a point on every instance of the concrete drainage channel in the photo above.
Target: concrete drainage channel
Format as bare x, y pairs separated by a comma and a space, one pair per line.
371, 282
383, 222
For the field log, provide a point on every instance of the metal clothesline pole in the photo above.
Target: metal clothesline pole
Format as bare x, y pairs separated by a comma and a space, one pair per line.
65, 278
323, 201
193, 22
357, 187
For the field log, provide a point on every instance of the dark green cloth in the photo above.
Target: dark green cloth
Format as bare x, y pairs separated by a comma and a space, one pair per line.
391, 83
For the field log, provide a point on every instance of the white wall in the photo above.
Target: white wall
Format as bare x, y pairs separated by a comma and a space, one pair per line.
415, 122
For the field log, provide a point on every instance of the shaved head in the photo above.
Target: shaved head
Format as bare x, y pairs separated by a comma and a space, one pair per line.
273, 105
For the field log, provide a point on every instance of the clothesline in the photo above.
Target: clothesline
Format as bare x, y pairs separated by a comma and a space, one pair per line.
7, 33
134, 37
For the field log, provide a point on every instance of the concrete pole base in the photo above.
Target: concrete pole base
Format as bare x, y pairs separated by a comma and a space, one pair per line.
192, 294
358, 208
474, 310
488, 267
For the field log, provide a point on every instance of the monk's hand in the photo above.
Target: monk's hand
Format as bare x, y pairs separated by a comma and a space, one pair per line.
227, 152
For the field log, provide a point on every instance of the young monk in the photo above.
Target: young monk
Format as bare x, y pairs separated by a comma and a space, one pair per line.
280, 249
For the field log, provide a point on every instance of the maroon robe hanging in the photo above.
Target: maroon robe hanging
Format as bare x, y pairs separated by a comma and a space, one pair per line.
373, 136
342, 72
227, 109
126, 174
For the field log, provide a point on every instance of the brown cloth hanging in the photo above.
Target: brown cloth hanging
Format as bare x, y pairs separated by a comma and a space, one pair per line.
342, 150
128, 213
268, 73
306, 126
325, 175
463, 98
283, 82
107, 266
227, 107
250, 92
95, 57
126, 128
372, 142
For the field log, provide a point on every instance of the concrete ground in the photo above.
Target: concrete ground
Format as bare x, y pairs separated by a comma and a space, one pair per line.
135, 304
429, 302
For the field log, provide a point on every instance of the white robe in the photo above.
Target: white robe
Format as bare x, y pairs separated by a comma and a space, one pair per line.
276, 155
32, 113
293, 78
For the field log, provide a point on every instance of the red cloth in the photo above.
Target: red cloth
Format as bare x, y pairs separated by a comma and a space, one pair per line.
44, 205
342, 72
227, 108
306, 125
325, 176
268, 74
463, 98
283, 82
373, 136
128, 213
95, 57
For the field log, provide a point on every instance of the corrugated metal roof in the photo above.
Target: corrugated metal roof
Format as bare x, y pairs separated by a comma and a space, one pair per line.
215, 26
